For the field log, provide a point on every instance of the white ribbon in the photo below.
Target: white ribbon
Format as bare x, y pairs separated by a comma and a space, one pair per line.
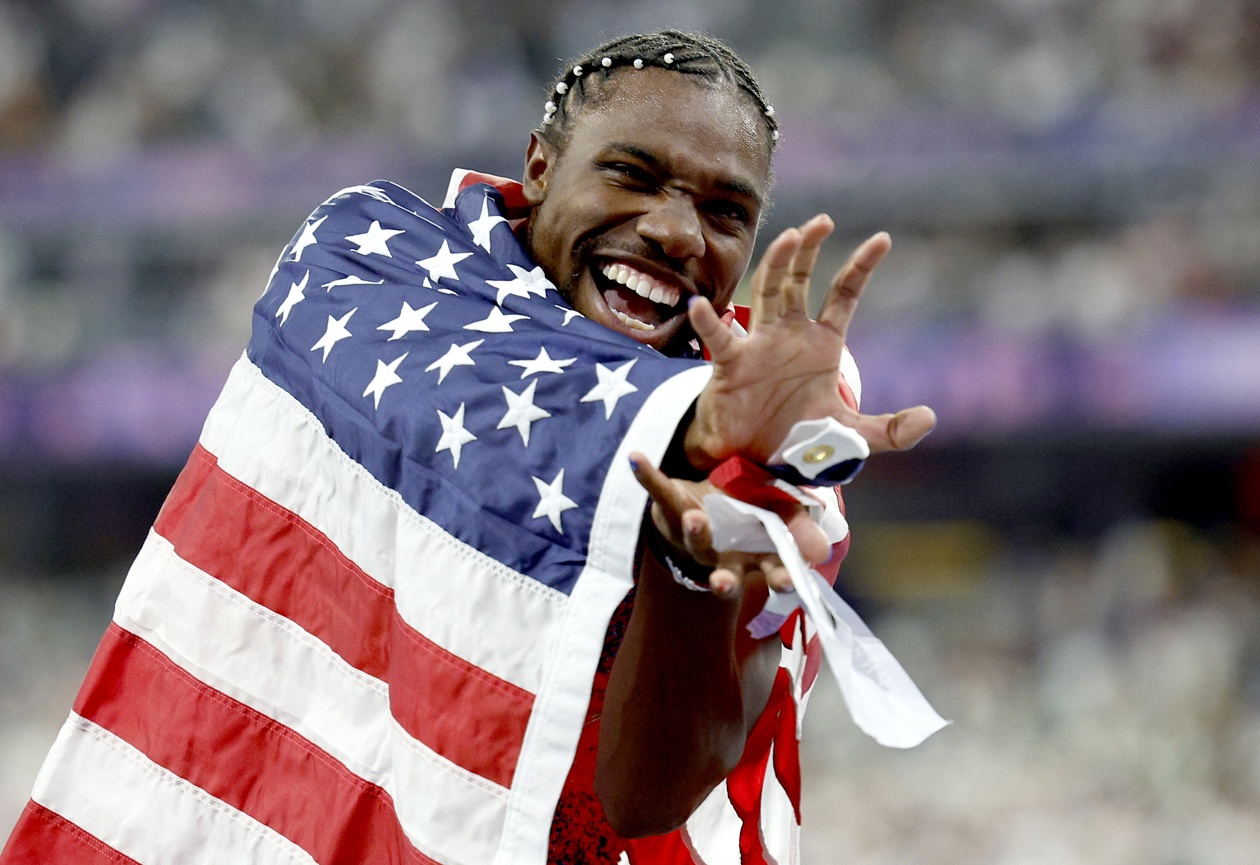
882, 699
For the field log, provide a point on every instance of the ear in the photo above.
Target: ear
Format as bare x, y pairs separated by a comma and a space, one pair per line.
539, 159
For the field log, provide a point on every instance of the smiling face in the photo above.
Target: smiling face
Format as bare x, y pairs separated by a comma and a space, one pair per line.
655, 197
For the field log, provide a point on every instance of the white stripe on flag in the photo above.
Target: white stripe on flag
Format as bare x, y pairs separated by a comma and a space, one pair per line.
112, 791
560, 706
268, 663
712, 831
779, 832
266, 439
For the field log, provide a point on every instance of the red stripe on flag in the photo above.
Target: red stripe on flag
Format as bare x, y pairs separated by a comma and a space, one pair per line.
668, 849
42, 836
252, 762
272, 556
746, 783
514, 202
787, 756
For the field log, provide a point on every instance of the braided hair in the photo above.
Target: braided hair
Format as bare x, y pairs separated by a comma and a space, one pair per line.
580, 85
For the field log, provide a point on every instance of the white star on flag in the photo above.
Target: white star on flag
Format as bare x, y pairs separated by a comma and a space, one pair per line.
352, 279
408, 320
552, 500
374, 240
386, 376
456, 355
569, 314
484, 224
612, 386
515, 287
496, 322
521, 411
542, 363
335, 333
442, 264
536, 282
307, 238
454, 436
297, 294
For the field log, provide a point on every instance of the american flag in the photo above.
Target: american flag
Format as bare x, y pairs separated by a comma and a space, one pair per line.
365, 623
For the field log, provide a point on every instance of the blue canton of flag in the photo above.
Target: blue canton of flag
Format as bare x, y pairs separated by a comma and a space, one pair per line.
439, 357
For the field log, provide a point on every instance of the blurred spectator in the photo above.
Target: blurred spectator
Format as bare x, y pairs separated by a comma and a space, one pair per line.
1078, 170
1105, 713
98, 81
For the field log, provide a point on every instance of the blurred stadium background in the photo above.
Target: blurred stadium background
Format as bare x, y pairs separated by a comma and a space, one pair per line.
1069, 566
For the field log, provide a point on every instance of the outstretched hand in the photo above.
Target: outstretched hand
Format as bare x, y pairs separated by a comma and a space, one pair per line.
785, 370
678, 515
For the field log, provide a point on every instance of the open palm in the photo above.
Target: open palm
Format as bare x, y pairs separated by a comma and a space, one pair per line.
785, 370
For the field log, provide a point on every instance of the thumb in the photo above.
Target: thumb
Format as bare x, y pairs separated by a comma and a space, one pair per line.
707, 324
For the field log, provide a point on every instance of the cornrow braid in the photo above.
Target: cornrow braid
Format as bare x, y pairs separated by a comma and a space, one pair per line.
687, 53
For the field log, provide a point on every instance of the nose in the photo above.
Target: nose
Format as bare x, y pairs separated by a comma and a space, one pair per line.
673, 224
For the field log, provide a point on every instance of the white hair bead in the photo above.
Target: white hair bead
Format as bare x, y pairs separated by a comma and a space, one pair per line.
769, 110
577, 71
562, 88
775, 135
668, 58
606, 62
549, 107
638, 63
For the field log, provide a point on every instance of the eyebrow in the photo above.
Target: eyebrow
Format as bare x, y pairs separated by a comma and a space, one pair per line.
729, 184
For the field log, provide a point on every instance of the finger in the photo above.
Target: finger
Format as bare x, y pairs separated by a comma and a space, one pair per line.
698, 536
896, 432
707, 324
672, 502
846, 289
810, 538
777, 576
795, 297
727, 580
768, 279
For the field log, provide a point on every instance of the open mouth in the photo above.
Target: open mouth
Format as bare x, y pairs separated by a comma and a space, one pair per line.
639, 301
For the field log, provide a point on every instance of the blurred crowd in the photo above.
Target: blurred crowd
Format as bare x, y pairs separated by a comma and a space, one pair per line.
90, 77
1105, 700
1044, 165
1083, 168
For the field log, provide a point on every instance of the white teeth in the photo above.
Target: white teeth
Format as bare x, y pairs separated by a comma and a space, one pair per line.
633, 322
642, 284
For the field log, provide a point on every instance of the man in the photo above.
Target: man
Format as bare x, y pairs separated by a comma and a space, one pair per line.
664, 174
375, 624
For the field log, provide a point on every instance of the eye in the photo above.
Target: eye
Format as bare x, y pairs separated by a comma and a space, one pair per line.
729, 212
632, 175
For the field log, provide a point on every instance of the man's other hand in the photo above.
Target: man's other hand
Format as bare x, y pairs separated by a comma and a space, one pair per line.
679, 517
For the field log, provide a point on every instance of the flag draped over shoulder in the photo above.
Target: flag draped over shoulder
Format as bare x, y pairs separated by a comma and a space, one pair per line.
365, 623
